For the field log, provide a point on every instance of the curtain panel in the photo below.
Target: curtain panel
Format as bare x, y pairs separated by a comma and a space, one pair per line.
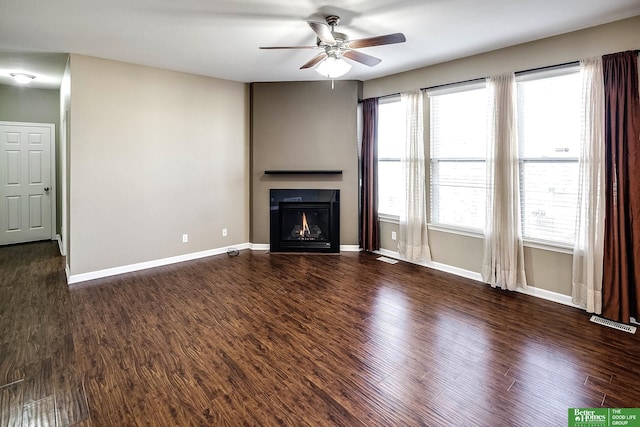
413, 241
588, 250
503, 259
621, 269
369, 226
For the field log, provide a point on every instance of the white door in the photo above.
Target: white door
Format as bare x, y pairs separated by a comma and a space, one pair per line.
25, 182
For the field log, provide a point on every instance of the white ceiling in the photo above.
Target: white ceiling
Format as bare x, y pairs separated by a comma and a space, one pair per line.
220, 38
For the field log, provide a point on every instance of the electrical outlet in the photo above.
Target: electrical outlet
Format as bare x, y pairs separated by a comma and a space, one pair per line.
393, 235
185, 238
224, 232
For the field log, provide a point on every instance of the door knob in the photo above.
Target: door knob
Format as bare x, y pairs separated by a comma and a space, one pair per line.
46, 188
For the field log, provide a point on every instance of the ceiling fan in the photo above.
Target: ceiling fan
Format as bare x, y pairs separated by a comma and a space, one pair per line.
335, 46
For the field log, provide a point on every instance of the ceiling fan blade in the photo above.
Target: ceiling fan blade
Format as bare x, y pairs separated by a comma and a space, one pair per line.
378, 41
313, 61
323, 31
287, 47
362, 58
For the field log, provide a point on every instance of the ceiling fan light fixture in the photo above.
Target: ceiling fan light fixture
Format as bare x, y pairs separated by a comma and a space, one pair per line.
23, 78
333, 67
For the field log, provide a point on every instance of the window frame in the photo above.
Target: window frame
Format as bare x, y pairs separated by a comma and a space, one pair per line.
530, 242
385, 216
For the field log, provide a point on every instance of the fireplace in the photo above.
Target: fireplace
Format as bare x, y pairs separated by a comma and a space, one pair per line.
305, 221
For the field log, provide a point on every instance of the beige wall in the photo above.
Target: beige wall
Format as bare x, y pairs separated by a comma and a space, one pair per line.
596, 41
154, 154
25, 104
305, 125
548, 270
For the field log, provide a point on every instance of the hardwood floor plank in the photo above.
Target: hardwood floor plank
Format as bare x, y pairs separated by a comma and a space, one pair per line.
40, 413
11, 362
70, 398
38, 381
11, 404
275, 339
395, 401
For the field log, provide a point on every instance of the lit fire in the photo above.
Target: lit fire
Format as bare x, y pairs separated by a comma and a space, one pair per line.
305, 226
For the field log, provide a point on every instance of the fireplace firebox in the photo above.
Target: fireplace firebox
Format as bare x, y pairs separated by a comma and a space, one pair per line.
305, 220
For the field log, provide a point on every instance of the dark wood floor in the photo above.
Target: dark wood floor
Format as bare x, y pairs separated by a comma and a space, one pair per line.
262, 339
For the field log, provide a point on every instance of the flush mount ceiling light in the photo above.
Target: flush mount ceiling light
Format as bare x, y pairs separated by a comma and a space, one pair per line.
23, 78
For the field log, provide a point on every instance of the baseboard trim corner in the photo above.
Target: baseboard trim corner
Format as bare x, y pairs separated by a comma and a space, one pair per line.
60, 246
73, 279
260, 246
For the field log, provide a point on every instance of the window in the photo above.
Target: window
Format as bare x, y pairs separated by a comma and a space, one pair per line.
391, 135
458, 151
549, 117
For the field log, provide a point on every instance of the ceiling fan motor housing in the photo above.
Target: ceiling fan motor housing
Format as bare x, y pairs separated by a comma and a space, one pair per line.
332, 20
340, 38
336, 45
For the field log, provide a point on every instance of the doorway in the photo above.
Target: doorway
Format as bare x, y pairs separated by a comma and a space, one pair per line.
27, 182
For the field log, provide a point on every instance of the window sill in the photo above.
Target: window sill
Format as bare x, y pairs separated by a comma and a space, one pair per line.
548, 246
535, 244
455, 230
393, 219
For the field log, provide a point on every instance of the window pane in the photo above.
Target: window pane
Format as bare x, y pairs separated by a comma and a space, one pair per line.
459, 193
459, 124
389, 187
549, 117
391, 130
549, 200
458, 149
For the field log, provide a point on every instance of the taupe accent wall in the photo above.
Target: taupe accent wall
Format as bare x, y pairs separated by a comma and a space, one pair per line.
546, 269
305, 126
154, 154
25, 104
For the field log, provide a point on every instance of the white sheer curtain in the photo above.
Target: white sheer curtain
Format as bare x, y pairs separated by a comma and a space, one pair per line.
413, 241
588, 251
503, 261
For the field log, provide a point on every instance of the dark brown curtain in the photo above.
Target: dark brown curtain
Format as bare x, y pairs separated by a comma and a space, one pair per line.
621, 272
369, 227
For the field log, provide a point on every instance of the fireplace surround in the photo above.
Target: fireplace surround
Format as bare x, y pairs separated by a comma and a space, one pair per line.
304, 220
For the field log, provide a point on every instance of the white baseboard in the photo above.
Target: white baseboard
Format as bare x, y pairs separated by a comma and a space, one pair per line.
99, 274
549, 296
83, 277
260, 246
435, 265
530, 290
